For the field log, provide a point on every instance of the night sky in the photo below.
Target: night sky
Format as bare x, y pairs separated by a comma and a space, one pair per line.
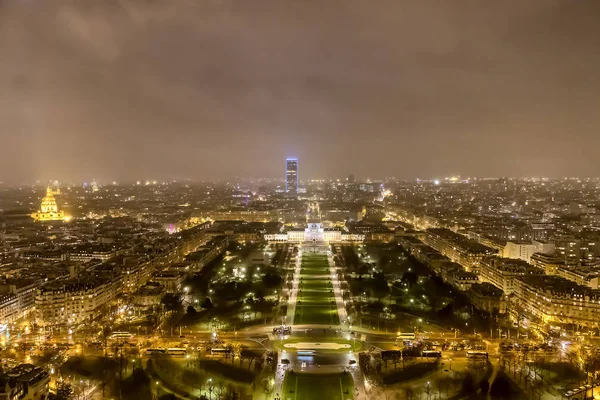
213, 89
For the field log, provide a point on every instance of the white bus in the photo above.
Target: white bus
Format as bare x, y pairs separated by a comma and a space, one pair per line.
431, 354
176, 351
406, 336
477, 354
217, 351
156, 351
121, 335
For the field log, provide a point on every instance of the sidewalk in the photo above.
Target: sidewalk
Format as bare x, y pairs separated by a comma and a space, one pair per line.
294, 294
336, 290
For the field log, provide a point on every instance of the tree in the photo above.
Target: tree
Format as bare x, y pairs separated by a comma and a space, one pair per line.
191, 310
484, 386
231, 291
105, 333
82, 392
446, 312
174, 305
380, 286
384, 260
410, 278
259, 294
363, 270
590, 366
172, 302
206, 303
501, 387
272, 281
64, 391
433, 288
468, 385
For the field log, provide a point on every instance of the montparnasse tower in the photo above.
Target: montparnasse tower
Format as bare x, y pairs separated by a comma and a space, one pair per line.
49, 209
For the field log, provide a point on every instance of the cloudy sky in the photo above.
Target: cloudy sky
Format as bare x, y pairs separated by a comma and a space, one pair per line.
212, 89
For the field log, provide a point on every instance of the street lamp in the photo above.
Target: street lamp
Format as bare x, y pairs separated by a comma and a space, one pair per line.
210, 388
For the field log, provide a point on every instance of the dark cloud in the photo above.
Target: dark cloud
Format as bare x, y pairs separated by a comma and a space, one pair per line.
134, 89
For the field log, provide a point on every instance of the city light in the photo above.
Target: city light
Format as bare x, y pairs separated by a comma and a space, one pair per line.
299, 200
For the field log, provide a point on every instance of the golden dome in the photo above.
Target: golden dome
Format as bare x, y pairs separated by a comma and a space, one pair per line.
49, 203
48, 209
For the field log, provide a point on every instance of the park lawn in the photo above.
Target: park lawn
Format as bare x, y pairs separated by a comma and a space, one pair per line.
317, 314
323, 292
316, 300
318, 386
88, 366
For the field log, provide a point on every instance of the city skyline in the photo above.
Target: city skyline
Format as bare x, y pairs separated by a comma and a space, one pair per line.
281, 180
299, 200
174, 92
312, 287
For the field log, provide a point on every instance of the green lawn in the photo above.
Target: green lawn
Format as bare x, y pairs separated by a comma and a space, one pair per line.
316, 300
317, 386
316, 314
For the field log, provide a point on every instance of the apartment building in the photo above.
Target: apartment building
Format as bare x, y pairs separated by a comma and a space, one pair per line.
502, 272
524, 250
584, 276
487, 297
457, 248
25, 382
549, 263
9, 308
24, 290
558, 301
90, 252
73, 301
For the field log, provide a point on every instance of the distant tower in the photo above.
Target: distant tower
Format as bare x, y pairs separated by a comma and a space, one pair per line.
291, 175
350, 178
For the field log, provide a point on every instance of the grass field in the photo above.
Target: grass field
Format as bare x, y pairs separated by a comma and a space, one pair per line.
316, 300
318, 386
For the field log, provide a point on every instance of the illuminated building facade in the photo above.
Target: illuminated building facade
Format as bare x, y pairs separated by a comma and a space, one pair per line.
73, 301
49, 209
291, 175
9, 308
314, 233
555, 300
503, 272
457, 248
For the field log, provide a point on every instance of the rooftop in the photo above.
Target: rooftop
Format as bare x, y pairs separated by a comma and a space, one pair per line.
558, 286
487, 289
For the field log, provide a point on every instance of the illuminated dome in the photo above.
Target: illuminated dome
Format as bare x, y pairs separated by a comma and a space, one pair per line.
48, 209
49, 203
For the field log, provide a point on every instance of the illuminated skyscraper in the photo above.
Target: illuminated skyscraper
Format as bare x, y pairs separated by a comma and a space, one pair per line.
291, 175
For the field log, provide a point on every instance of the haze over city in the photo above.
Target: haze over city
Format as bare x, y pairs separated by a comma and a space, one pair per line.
126, 90
299, 200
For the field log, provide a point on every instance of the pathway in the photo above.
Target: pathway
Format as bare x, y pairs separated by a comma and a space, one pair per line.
294, 293
339, 301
